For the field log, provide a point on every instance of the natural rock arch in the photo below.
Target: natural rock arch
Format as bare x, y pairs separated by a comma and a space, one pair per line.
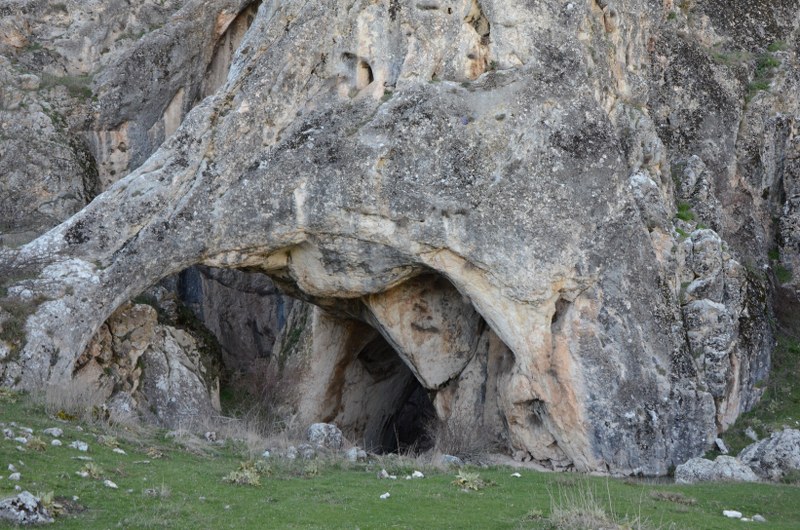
524, 200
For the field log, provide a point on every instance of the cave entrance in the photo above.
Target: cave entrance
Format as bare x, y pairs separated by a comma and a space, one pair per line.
383, 404
372, 395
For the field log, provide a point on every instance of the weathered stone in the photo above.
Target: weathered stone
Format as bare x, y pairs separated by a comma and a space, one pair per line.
774, 457
306, 451
495, 183
355, 454
325, 435
24, 509
140, 367
450, 460
722, 469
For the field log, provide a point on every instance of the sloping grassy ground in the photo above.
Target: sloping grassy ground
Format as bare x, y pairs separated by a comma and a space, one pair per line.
163, 484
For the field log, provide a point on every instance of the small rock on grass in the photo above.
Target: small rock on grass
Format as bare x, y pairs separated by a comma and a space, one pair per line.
119, 451
56, 443
759, 518
109, 484
450, 460
15, 476
80, 446
516, 475
732, 514
55, 432
385, 496
384, 474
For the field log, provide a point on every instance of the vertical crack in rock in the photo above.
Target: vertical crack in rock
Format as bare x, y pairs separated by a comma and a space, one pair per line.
232, 31
478, 56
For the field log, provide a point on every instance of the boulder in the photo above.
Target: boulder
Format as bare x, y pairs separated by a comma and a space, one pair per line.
325, 435
24, 509
723, 469
775, 457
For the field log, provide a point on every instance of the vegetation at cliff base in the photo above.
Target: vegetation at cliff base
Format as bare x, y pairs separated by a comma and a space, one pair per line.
164, 482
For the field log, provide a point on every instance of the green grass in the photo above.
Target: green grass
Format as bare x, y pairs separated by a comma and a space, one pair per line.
783, 274
78, 86
685, 212
730, 58
762, 77
777, 46
185, 489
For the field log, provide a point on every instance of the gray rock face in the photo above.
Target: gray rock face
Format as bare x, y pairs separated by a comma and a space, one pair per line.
480, 200
137, 366
24, 509
774, 457
246, 312
722, 469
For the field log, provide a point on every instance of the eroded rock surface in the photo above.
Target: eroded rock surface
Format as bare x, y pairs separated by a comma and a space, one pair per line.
776, 457
721, 469
506, 208
24, 509
141, 367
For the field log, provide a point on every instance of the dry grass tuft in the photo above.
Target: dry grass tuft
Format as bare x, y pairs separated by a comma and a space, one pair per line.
467, 441
673, 496
74, 402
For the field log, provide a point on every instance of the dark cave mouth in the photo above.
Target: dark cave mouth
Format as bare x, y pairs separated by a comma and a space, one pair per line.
409, 430
401, 417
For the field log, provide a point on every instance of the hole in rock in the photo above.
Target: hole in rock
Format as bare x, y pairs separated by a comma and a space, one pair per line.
385, 407
364, 76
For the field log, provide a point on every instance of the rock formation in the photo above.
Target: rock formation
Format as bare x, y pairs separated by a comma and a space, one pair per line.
557, 221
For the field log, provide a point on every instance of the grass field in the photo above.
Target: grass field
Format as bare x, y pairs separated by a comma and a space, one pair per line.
165, 483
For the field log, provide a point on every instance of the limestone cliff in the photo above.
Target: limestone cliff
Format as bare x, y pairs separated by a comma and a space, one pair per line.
561, 221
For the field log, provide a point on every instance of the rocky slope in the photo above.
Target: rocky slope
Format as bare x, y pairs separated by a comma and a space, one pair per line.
561, 222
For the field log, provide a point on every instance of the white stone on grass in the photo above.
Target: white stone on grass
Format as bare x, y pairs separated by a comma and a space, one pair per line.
107, 483
56, 443
516, 475
80, 446
15, 476
417, 474
385, 496
55, 432
732, 514
119, 451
